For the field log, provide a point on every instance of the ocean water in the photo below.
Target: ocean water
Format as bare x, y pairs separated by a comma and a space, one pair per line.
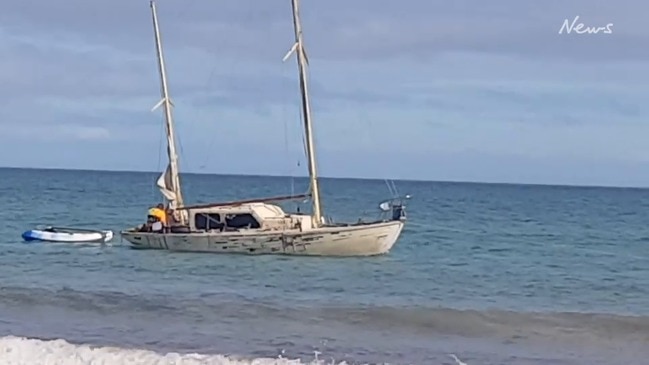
493, 274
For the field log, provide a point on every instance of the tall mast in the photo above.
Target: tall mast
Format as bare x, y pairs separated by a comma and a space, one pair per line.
166, 102
302, 62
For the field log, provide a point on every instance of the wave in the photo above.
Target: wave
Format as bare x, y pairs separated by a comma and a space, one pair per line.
479, 323
28, 351
31, 351
104, 327
413, 320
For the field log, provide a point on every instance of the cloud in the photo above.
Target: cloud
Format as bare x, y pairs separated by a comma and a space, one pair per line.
425, 79
42, 65
337, 30
425, 29
54, 133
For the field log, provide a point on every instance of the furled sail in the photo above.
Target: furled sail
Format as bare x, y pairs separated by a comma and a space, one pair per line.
165, 183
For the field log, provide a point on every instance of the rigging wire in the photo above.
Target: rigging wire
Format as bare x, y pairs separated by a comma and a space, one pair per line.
201, 113
287, 149
289, 82
181, 150
301, 120
162, 141
154, 192
371, 137
229, 70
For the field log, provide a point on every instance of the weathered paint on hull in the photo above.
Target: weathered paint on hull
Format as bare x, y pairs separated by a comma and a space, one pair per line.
361, 240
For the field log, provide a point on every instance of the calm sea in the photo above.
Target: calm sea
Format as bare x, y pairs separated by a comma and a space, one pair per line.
494, 274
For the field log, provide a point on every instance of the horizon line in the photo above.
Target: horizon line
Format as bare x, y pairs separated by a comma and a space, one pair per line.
332, 177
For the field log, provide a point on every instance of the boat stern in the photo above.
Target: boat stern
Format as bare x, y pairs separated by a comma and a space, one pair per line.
134, 237
395, 208
393, 233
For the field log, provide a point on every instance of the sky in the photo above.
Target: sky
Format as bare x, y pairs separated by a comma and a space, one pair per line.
462, 90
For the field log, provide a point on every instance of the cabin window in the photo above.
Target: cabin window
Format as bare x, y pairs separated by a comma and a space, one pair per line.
205, 221
244, 220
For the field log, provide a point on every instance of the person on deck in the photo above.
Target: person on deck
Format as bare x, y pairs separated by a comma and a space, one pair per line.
159, 213
157, 218
171, 219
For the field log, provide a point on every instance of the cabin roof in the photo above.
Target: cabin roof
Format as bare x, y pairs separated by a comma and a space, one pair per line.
261, 210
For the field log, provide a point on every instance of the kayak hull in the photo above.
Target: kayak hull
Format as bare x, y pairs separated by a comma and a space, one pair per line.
67, 236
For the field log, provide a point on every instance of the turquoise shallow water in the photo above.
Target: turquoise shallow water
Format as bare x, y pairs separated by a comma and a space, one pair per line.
496, 274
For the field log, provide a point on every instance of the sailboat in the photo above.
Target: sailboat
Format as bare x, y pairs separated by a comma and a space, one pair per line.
261, 226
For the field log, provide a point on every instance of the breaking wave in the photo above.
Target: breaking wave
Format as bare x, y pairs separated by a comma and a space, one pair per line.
26, 351
29, 351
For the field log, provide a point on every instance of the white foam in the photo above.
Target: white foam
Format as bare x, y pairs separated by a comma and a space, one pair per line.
26, 351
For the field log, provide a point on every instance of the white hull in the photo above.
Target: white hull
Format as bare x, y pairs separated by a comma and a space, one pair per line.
256, 226
353, 240
68, 236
